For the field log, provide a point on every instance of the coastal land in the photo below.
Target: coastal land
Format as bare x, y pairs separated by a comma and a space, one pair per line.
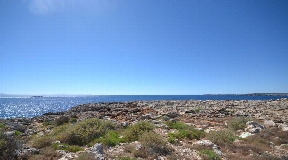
186, 129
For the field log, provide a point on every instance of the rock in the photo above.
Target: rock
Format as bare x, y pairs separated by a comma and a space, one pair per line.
205, 143
125, 124
253, 127
26, 152
172, 114
245, 134
66, 156
284, 127
269, 123
190, 111
98, 150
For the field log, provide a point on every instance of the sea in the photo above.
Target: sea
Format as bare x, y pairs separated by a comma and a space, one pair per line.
31, 106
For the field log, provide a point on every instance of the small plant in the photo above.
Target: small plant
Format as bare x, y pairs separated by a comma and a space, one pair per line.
185, 131
155, 142
48, 123
43, 141
197, 110
17, 133
178, 125
133, 132
111, 138
81, 133
8, 146
171, 138
61, 120
222, 137
209, 155
238, 123
73, 120
66, 147
2, 125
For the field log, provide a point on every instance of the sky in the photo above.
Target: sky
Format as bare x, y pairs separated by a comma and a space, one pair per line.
137, 47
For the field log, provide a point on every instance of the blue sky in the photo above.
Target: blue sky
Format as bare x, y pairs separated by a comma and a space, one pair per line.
143, 47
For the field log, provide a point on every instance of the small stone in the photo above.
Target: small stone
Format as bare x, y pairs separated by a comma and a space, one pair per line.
269, 123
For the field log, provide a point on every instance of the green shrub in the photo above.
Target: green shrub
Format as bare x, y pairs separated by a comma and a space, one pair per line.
17, 133
67, 147
79, 134
222, 137
73, 120
209, 154
48, 123
185, 131
8, 146
238, 123
42, 141
2, 125
178, 125
86, 131
155, 142
171, 138
61, 120
197, 110
133, 132
111, 138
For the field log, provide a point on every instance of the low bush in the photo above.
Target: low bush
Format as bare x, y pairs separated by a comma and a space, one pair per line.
238, 123
86, 131
8, 146
155, 142
17, 133
81, 133
185, 131
61, 120
222, 137
73, 120
66, 147
111, 138
209, 155
133, 132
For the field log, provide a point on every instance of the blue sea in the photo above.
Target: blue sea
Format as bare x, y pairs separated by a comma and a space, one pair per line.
16, 107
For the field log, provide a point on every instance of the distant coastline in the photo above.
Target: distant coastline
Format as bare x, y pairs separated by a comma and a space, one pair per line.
250, 94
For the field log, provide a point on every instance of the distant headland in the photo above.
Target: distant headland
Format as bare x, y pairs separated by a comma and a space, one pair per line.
254, 94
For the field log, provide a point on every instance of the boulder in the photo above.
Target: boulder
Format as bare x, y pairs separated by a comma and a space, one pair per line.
253, 127
284, 127
98, 151
269, 123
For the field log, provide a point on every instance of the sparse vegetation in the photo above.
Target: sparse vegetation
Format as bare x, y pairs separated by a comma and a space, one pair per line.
66, 147
238, 123
155, 143
79, 134
222, 138
61, 120
133, 132
185, 132
111, 138
209, 155
8, 145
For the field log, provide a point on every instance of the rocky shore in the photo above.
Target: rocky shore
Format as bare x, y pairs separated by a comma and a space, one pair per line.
209, 116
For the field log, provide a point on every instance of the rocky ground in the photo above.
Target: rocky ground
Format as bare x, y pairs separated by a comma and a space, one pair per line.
265, 117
